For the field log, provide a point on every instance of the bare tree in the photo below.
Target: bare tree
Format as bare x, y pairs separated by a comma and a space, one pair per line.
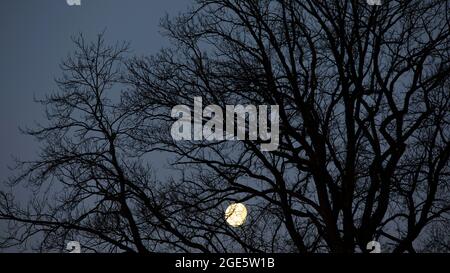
364, 133
438, 237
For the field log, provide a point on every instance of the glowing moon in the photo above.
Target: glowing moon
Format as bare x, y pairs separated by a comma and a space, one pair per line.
236, 214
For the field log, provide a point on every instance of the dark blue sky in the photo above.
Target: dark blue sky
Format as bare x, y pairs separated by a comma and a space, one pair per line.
35, 37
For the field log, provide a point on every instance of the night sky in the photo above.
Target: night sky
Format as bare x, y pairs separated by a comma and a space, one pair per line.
36, 37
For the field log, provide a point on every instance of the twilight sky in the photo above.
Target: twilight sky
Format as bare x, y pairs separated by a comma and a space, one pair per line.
35, 37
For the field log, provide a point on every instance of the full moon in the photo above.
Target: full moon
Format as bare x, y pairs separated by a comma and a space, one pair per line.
236, 214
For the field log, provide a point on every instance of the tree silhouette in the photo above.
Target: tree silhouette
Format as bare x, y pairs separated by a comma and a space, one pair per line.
364, 100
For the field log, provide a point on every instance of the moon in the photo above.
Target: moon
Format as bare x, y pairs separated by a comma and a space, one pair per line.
235, 214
